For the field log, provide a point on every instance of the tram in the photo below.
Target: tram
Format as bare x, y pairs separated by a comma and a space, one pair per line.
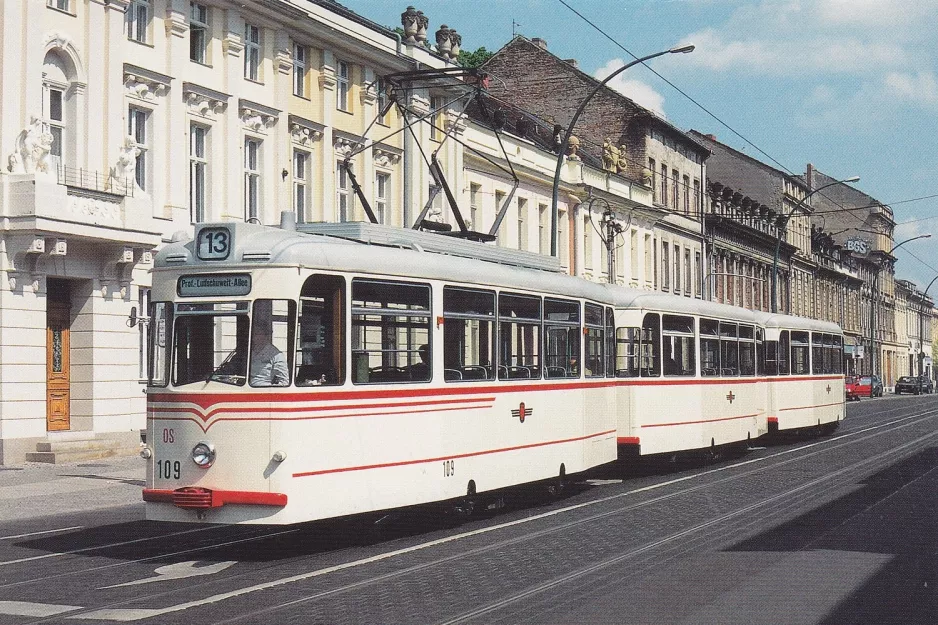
325, 370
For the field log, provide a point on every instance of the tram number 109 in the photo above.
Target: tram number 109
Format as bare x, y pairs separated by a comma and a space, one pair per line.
449, 468
168, 469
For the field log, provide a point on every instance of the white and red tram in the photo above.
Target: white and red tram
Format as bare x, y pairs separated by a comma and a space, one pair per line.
351, 368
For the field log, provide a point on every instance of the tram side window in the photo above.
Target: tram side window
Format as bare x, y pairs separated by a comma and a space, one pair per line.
709, 347
320, 341
784, 345
161, 314
562, 338
468, 334
800, 351
760, 352
610, 343
519, 337
817, 353
747, 351
729, 349
210, 343
271, 338
390, 332
830, 355
595, 332
678, 349
771, 357
628, 342
837, 354
651, 346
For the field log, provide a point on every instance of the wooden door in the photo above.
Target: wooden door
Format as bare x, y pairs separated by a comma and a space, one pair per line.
57, 366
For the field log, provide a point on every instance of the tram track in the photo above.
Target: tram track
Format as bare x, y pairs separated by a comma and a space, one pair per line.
750, 467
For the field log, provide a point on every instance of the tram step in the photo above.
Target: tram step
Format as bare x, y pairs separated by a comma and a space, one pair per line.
56, 452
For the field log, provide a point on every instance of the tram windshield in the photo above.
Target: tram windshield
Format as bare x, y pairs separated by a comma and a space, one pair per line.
210, 342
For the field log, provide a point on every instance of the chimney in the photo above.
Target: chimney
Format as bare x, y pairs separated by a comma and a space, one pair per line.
572, 62
540, 43
808, 176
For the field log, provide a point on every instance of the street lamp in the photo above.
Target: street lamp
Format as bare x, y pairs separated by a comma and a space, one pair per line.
873, 298
921, 328
554, 214
778, 238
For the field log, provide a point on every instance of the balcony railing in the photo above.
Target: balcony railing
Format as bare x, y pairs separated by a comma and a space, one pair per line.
94, 181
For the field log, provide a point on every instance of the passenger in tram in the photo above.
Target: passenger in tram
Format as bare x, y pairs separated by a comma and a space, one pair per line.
268, 364
420, 371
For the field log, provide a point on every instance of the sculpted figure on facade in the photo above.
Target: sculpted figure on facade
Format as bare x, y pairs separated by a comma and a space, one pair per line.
455, 40
443, 43
33, 150
126, 166
573, 145
610, 155
409, 22
622, 161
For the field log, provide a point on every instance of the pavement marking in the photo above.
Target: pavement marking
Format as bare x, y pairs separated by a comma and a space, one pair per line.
179, 570
64, 529
28, 608
603, 482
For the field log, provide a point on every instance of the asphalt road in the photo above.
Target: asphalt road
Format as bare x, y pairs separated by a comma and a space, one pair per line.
830, 530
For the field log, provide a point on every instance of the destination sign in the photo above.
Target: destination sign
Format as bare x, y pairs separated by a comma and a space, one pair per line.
214, 285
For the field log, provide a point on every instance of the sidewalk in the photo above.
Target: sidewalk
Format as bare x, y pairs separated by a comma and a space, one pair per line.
35, 489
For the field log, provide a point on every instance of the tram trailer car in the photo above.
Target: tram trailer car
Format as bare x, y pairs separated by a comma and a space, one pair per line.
692, 378
805, 377
346, 417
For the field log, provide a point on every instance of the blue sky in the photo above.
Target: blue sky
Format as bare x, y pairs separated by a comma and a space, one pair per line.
848, 85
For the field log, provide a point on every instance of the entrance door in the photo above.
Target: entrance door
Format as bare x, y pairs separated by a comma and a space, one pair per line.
57, 363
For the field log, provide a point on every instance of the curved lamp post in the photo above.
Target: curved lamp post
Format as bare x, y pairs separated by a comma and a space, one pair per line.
554, 215
874, 297
778, 238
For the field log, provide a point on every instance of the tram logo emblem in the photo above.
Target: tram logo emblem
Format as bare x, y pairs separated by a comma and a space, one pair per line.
522, 412
730, 397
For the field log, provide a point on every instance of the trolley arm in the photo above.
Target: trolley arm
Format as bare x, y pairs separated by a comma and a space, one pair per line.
357, 188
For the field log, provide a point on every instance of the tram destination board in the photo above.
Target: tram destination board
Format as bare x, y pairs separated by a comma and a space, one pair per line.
214, 285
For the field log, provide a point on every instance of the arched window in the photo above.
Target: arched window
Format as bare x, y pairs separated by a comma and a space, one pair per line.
56, 105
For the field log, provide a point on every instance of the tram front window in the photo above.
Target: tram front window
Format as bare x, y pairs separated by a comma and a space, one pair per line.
210, 342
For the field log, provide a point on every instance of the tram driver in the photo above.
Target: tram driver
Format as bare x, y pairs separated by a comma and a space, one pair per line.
268, 364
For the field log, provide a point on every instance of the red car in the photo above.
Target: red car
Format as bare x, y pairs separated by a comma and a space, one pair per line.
850, 388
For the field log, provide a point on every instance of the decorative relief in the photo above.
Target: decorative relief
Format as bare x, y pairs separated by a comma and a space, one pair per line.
327, 77
419, 105
304, 135
126, 166
176, 24
232, 45
284, 61
385, 158
204, 106
93, 209
33, 154
256, 120
343, 146
143, 88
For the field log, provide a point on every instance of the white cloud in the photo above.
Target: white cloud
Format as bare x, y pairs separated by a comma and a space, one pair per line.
921, 87
640, 92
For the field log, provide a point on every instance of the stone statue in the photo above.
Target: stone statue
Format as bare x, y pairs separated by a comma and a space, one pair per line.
409, 21
573, 145
622, 162
610, 155
647, 177
455, 40
33, 150
127, 161
443, 44
423, 22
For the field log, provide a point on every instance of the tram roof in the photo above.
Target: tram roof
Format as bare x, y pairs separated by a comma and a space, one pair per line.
791, 322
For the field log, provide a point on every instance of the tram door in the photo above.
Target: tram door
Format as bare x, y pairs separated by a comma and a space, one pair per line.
58, 320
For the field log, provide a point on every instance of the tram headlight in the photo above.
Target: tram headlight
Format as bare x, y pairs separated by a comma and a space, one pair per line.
203, 455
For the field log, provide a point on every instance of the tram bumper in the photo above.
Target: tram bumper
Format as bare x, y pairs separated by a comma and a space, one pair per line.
197, 498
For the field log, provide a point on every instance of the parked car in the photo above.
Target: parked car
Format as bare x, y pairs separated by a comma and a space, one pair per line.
869, 386
850, 388
914, 385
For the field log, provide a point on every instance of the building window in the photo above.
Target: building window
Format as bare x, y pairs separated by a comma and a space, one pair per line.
300, 182
500, 239
665, 267
198, 171
54, 113
382, 193
198, 33
677, 268
587, 245
696, 195
138, 20
664, 184
688, 276
649, 259
300, 61
675, 194
342, 87
343, 198
474, 205
252, 179
522, 226
137, 128
252, 52
699, 267
654, 179
686, 195
380, 87
543, 228
61, 5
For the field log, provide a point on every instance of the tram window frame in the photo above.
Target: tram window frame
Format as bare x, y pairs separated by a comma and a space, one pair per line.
650, 359
215, 359
562, 332
784, 353
469, 323
678, 346
160, 329
628, 349
729, 349
281, 332
760, 351
610, 343
399, 312
709, 347
817, 353
800, 352
838, 355
594, 349
830, 355
320, 342
519, 359
747, 351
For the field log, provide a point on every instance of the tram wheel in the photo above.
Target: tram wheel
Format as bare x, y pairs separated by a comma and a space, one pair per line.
556, 486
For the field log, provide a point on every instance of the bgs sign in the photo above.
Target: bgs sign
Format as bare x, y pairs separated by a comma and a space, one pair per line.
859, 247
214, 285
